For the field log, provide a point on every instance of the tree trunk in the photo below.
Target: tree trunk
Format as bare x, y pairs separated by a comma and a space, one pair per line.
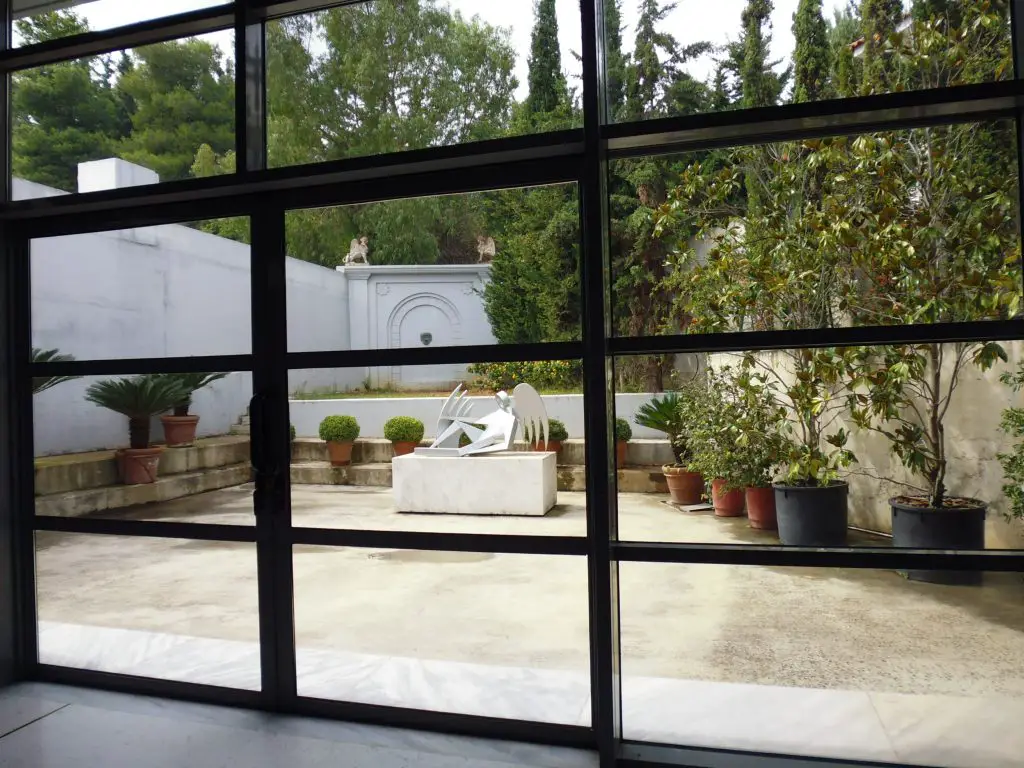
936, 432
138, 432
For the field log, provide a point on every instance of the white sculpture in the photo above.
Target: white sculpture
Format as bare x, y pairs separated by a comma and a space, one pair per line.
485, 247
491, 433
357, 251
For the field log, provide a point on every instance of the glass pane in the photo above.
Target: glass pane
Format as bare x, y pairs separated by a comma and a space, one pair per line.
532, 489
174, 461
174, 290
832, 447
167, 608
523, 656
833, 663
679, 59
388, 76
162, 112
482, 268
896, 228
39, 20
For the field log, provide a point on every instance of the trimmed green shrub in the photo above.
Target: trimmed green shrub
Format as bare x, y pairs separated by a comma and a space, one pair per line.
403, 429
542, 374
339, 429
557, 430
623, 431
291, 431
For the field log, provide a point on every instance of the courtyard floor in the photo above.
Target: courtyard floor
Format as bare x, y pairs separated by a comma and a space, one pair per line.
839, 663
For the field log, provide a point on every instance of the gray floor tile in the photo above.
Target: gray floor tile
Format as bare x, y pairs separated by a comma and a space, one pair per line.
18, 711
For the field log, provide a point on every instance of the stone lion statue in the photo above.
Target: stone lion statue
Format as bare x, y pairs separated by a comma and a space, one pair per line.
357, 252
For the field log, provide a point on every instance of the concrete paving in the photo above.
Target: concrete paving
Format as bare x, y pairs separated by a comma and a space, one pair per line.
820, 629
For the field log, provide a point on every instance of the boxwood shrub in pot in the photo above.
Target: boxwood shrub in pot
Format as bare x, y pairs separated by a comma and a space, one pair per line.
904, 393
339, 432
623, 434
665, 414
404, 432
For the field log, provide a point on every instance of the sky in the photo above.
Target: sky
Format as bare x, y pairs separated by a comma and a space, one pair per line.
717, 21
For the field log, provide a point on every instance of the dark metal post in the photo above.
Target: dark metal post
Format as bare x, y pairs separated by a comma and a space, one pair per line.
598, 400
271, 457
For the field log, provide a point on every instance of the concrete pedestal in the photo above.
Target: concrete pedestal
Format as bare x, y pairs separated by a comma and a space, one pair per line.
514, 483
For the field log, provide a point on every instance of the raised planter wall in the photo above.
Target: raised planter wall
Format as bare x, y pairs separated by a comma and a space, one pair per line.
372, 413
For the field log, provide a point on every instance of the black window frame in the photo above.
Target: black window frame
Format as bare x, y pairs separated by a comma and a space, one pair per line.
578, 155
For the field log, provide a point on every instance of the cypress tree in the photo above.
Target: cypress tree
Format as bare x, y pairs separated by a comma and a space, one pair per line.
546, 80
812, 57
761, 86
615, 62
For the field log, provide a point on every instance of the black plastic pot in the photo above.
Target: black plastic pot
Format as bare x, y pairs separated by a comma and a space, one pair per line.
946, 528
812, 516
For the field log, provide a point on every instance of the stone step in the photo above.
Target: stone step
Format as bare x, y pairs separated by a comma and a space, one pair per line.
85, 502
83, 471
570, 478
640, 453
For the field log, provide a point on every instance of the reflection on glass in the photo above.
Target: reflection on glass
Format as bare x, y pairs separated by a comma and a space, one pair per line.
388, 76
774, 659
383, 413
859, 446
165, 608
35, 20
482, 268
523, 656
159, 113
170, 447
174, 290
903, 227
678, 59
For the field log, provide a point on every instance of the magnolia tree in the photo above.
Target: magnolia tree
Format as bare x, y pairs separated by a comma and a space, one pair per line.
909, 227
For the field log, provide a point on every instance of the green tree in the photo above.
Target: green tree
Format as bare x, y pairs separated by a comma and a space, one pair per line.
879, 21
182, 99
614, 59
812, 57
62, 114
844, 32
548, 88
761, 86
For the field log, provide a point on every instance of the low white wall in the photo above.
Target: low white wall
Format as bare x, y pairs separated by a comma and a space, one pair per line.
372, 413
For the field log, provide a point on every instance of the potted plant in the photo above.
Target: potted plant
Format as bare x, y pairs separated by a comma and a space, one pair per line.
140, 399
180, 427
623, 434
904, 393
42, 383
757, 427
339, 432
291, 441
1012, 424
557, 433
404, 432
665, 414
709, 416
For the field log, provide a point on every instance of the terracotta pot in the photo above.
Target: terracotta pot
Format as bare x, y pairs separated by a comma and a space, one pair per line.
179, 430
726, 503
403, 447
138, 465
553, 446
761, 508
340, 453
684, 487
620, 453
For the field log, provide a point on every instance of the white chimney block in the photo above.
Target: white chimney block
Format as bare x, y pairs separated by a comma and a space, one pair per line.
113, 173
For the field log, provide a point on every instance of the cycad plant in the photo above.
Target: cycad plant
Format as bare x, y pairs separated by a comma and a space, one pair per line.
190, 383
42, 383
665, 414
139, 398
